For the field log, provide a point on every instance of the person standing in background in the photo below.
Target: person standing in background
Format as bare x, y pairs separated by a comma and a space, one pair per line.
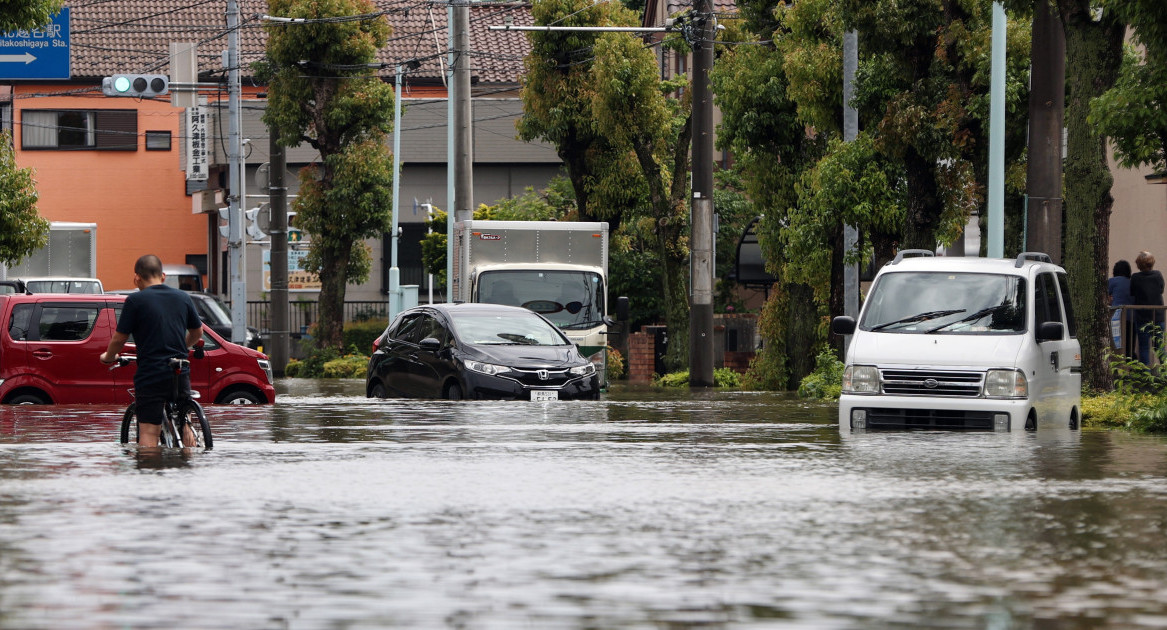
1147, 290
1118, 288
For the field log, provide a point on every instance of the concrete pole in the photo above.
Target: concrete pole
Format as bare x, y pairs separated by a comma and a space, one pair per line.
463, 148
1047, 105
394, 271
450, 179
279, 349
701, 232
996, 201
850, 132
236, 246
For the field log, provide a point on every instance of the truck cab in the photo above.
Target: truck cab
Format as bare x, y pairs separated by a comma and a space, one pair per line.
963, 343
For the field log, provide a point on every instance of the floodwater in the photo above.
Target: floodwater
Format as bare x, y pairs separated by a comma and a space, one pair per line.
643, 510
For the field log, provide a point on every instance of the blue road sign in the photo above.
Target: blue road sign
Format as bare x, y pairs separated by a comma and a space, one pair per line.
41, 53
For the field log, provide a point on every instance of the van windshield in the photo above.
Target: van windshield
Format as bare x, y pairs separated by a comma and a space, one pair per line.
946, 303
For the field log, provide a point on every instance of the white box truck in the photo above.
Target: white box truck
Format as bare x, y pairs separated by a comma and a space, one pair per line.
71, 252
558, 269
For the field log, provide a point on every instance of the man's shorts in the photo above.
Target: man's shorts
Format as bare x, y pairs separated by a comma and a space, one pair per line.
151, 399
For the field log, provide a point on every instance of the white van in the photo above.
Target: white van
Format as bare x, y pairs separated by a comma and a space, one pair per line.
963, 343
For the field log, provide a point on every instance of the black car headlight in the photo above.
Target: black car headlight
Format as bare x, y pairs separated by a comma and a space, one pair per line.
583, 370
486, 368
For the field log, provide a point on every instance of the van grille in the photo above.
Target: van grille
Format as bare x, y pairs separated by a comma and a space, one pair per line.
929, 419
932, 383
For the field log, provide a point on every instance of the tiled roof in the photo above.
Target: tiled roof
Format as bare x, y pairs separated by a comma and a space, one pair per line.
119, 36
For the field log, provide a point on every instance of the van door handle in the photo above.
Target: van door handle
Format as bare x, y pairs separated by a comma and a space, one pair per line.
1053, 359
42, 353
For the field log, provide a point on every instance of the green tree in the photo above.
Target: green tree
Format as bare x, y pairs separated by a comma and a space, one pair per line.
332, 103
27, 13
22, 230
1093, 58
623, 135
1133, 113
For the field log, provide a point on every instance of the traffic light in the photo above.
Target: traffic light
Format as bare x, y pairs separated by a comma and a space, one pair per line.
139, 85
256, 220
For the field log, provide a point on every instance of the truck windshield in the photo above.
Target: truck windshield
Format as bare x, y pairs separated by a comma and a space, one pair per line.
572, 300
946, 303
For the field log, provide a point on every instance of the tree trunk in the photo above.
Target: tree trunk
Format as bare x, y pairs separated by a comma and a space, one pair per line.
1093, 57
801, 334
923, 203
330, 325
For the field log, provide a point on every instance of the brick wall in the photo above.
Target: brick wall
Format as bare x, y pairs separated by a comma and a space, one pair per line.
641, 357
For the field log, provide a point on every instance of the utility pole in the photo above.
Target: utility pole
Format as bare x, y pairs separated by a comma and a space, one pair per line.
1047, 104
850, 132
235, 244
278, 203
996, 196
701, 267
463, 148
394, 271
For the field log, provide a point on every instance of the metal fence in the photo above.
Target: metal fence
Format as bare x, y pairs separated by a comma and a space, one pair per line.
301, 315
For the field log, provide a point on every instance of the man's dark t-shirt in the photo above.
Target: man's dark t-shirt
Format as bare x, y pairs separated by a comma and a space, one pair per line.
158, 318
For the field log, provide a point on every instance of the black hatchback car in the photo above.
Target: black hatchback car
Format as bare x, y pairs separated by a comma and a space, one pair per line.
478, 351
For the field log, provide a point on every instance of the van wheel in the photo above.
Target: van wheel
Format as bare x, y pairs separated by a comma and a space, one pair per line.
1031, 421
1074, 419
27, 399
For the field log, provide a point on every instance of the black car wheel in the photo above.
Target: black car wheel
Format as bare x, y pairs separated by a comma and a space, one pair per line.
454, 392
378, 391
241, 397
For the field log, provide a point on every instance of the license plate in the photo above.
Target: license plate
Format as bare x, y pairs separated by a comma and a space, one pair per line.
543, 395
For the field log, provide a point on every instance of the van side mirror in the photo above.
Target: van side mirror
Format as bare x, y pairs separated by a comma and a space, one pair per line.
430, 344
1050, 331
843, 325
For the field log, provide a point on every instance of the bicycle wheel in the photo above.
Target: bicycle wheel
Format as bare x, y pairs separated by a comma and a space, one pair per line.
130, 419
190, 412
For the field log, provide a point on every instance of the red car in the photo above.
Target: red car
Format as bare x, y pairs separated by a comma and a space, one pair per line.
50, 344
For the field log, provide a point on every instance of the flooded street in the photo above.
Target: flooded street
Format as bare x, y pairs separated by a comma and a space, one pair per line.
642, 510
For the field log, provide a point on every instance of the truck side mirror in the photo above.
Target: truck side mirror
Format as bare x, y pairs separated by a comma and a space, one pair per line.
843, 325
1050, 331
622, 309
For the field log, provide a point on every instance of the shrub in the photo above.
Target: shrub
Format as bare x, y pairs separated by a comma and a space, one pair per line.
358, 337
615, 369
348, 366
826, 382
292, 370
722, 377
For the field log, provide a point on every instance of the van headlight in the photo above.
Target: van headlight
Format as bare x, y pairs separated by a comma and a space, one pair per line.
583, 370
861, 379
1006, 384
265, 365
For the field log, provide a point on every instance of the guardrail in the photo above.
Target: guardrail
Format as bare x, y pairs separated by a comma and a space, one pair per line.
1123, 330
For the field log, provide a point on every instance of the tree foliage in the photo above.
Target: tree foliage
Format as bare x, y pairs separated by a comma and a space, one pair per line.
623, 135
22, 230
332, 103
18, 14
1133, 113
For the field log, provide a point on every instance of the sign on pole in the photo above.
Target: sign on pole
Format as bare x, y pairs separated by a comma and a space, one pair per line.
196, 145
39, 53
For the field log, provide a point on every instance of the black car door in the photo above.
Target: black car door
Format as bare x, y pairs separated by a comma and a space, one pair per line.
431, 365
396, 368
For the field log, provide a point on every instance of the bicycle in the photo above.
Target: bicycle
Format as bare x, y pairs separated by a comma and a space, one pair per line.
182, 410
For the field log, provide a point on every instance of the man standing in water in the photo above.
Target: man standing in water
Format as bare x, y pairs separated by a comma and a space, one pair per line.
164, 323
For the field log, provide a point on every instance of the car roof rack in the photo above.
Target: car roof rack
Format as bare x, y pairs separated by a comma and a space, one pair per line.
1034, 256
912, 253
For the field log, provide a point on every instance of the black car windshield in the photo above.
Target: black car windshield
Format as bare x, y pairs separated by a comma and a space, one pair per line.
505, 329
946, 303
572, 300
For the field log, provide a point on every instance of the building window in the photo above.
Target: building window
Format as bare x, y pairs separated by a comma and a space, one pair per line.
157, 140
73, 129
